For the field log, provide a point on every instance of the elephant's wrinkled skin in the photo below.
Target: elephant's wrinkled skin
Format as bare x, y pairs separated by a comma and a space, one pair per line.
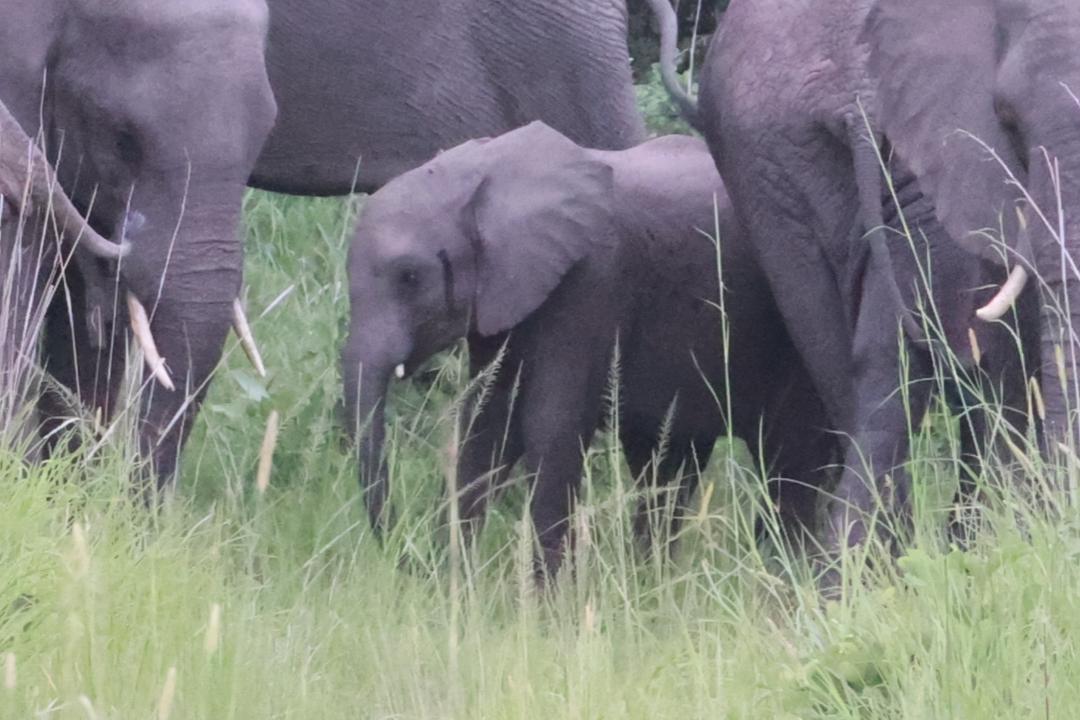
154, 114
559, 253
783, 91
368, 89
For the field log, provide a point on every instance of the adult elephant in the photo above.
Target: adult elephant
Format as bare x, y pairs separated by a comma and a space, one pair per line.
369, 89
799, 99
153, 114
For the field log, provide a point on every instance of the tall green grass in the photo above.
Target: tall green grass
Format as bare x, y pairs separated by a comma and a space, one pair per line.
231, 603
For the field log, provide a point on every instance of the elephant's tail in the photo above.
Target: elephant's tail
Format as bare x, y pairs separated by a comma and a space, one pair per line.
669, 50
868, 181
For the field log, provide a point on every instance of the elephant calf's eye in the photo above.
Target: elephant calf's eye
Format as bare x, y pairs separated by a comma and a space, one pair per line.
408, 278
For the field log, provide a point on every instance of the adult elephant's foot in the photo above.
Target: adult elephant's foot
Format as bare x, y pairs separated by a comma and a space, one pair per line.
867, 507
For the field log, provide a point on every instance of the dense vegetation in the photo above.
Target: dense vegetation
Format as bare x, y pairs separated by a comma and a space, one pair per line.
232, 602
697, 21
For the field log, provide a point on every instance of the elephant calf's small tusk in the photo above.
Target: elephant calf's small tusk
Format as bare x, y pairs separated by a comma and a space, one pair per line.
399, 371
1006, 296
247, 340
140, 326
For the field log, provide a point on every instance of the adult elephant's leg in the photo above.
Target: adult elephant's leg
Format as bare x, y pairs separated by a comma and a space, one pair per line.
973, 432
999, 407
687, 478
872, 477
800, 452
807, 294
640, 447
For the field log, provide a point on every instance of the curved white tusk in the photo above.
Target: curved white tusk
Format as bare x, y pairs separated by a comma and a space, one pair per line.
140, 326
247, 340
399, 371
1006, 296
69, 217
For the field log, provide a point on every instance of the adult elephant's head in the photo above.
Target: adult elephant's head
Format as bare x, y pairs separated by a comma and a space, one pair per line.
153, 114
470, 243
972, 92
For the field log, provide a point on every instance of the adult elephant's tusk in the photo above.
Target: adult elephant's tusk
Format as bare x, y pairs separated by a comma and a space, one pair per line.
140, 326
85, 236
247, 340
1006, 296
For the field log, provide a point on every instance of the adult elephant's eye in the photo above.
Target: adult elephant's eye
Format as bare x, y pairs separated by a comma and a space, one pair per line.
408, 278
1010, 123
127, 147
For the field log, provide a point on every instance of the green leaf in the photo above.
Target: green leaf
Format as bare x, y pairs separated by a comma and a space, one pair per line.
253, 388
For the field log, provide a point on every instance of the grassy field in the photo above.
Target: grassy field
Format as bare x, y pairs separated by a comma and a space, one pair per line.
234, 603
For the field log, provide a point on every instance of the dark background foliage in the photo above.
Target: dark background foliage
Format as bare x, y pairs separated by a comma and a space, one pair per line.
645, 40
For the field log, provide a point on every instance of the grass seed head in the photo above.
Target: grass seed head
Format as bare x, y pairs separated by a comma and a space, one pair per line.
168, 692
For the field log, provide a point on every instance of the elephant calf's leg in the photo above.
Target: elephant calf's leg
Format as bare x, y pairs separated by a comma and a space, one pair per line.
491, 444
555, 436
556, 468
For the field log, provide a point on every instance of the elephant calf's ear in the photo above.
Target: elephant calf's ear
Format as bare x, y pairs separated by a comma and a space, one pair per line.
542, 207
935, 63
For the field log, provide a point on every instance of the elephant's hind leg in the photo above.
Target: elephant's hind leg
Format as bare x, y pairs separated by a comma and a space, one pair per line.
668, 478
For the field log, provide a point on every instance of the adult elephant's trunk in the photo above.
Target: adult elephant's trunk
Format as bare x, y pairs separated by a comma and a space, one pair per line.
186, 271
669, 51
180, 282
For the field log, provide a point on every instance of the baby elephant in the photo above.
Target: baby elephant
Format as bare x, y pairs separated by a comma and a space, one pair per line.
564, 255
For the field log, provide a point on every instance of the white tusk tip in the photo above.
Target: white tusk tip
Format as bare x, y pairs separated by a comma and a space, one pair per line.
162, 376
399, 371
247, 340
140, 327
1006, 297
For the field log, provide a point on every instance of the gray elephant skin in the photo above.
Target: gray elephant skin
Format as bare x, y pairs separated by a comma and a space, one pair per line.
788, 91
153, 114
368, 89
557, 253
29, 262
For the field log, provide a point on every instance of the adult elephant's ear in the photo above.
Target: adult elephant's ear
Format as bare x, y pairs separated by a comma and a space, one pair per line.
935, 63
543, 204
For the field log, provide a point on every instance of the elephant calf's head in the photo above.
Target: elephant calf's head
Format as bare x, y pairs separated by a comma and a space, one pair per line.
473, 241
